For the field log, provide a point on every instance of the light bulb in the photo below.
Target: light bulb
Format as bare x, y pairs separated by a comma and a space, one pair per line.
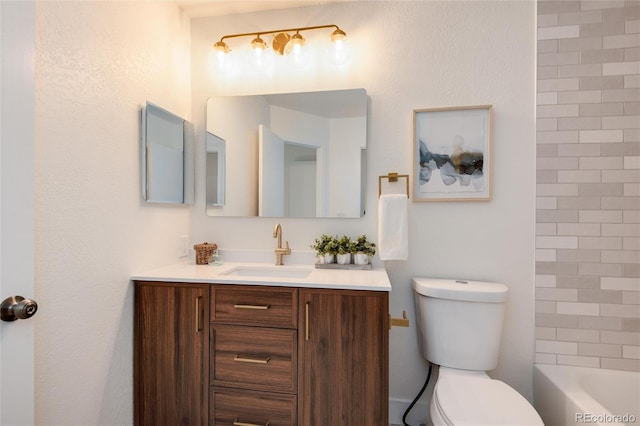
339, 53
219, 61
260, 57
297, 55
219, 56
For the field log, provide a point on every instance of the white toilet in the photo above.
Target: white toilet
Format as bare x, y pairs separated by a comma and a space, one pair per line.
459, 329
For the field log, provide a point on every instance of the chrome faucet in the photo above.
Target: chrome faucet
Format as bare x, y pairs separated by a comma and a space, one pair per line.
279, 250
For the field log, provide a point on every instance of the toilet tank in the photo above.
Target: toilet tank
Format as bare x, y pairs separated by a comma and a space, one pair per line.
459, 322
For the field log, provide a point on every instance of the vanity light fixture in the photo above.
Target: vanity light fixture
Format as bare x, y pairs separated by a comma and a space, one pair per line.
286, 44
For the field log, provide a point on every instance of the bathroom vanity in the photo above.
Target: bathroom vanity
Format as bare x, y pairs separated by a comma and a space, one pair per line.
248, 344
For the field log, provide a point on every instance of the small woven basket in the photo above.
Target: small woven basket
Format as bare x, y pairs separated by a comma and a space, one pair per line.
204, 252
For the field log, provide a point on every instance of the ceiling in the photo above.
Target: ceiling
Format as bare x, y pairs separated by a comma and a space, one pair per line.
204, 8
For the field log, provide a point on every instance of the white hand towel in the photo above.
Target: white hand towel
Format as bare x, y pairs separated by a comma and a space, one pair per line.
393, 227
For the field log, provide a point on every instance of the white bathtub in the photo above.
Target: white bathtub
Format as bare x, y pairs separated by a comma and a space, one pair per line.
566, 395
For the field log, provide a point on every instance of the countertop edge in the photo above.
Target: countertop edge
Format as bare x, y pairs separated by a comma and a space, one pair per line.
327, 279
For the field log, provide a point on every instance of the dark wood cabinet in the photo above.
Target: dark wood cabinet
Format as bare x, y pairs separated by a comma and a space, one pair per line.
230, 354
344, 358
171, 355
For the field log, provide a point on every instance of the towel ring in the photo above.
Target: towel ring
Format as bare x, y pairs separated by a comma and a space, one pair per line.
392, 177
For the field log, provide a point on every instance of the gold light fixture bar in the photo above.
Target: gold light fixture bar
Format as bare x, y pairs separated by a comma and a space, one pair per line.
281, 37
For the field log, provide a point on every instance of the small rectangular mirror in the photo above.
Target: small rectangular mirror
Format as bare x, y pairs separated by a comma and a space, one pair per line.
166, 141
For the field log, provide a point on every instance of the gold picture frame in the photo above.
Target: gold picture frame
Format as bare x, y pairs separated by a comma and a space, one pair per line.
452, 158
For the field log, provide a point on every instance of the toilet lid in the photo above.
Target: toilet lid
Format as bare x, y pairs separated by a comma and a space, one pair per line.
464, 400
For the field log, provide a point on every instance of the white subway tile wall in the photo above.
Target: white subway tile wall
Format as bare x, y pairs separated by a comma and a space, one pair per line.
588, 184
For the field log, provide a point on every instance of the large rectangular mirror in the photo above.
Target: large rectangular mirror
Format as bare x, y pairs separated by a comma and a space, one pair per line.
287, 155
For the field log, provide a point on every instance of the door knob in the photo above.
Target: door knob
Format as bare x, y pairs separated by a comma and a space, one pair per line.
17, 307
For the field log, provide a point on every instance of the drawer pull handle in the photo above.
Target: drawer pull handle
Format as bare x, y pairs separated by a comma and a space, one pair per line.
306, 320
198, 328
239, 358
237, 423
257, 307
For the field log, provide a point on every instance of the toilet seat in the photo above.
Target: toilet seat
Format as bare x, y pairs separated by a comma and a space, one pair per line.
476, 399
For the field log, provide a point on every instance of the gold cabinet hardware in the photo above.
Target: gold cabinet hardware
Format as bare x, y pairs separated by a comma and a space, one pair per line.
239, 358
256, 307
399, 322
306, 321
198, 328
237, 423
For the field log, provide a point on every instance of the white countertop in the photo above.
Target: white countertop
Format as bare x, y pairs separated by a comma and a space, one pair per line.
375, 279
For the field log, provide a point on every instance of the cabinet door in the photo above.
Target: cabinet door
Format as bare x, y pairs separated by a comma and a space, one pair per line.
344, 358
171, 354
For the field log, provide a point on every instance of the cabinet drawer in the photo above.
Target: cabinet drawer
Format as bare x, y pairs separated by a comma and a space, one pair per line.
257, 358
255, 305
229, 407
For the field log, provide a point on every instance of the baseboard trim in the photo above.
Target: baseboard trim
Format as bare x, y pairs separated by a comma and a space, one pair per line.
417, 416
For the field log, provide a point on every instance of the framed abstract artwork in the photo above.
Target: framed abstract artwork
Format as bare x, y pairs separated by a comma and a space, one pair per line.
452, 153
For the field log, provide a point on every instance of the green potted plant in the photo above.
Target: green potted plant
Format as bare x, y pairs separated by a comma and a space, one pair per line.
364, 249
345, 248
325, 248
331, 249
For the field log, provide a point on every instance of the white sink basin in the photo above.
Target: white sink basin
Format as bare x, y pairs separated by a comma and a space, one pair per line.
268, 272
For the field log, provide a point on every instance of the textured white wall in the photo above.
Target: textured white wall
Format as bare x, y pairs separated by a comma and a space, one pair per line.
412, 55
96, 64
